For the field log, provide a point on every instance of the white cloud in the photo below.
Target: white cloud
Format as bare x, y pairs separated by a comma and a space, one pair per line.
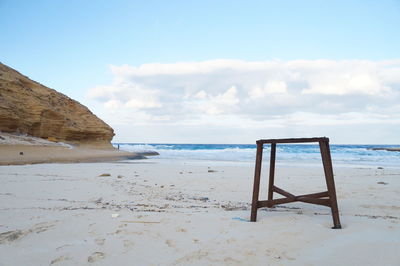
271, 87
214, 105
123, 93
282, 94
112, 104
201, 95
349, 81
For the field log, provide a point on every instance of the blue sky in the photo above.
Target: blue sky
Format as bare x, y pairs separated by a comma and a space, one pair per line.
80, 48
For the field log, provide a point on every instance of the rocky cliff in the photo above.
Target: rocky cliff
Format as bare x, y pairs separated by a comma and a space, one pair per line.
28, 107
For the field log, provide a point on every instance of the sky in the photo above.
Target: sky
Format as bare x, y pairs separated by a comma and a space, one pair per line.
217, 71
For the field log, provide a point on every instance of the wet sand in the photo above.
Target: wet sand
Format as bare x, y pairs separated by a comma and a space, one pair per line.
33, 154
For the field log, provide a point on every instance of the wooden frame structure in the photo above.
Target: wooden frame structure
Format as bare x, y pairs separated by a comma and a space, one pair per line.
326, 198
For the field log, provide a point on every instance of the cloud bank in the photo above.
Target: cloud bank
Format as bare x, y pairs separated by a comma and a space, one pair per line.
254, 95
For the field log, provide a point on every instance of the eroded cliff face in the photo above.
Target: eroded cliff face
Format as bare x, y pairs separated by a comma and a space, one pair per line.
30, 108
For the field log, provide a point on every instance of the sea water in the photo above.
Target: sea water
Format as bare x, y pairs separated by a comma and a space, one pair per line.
308, 154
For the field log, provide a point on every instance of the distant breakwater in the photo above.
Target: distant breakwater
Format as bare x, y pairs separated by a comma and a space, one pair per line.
385, 149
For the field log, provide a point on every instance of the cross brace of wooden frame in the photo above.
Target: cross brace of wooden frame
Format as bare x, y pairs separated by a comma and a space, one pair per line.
326, 198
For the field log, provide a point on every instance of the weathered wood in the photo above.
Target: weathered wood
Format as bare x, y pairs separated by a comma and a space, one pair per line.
271, 203
307, 198
283, 192
325, 198
271, 171
330, 183
256, 186
316, 195
292, 140
325, 202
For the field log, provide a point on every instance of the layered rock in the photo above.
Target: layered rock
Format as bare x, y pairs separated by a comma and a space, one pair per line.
28, 107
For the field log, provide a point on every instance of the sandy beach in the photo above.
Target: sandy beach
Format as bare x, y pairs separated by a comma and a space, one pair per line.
165, 212
17, 149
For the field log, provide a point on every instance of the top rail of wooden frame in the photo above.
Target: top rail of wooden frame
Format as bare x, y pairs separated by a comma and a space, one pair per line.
293, 140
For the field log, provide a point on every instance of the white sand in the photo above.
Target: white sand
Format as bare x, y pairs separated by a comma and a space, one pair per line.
178, 213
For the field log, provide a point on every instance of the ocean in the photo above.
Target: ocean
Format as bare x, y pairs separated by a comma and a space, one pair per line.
302, 154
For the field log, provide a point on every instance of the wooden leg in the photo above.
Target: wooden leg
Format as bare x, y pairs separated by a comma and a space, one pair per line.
271, 173
330, 183
256, 186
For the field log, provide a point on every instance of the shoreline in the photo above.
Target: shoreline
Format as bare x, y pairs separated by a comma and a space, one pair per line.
342, 155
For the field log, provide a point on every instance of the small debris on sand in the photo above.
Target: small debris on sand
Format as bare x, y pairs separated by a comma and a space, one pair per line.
120, 176
200, 198
105, 174
98, 201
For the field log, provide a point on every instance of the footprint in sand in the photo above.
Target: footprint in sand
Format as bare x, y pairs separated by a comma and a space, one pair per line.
59, 260
96, 256
100, 241
63, 246
231, 240
128, 243
181, 230
170, 243
11, 236
278, 255
192, 257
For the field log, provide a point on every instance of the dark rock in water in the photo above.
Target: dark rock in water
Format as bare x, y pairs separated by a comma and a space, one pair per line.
135, 157
382, 183
148, 153
21, 153
106, 174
